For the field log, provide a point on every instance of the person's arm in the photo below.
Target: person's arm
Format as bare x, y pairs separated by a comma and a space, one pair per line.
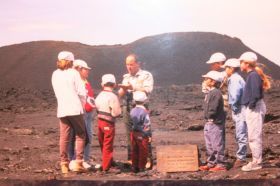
80, 87
147, 126
256, 90
115, 106
215, 100
148, 83
235, 91
124, 87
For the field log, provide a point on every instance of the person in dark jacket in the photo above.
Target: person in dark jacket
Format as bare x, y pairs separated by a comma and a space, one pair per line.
256, 83
214, 116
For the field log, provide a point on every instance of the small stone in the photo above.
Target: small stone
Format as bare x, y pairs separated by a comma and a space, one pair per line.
264, 173
196, 127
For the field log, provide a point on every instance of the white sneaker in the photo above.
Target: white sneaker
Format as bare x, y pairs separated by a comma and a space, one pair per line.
97, 166
86, 165
72, 165
251, 166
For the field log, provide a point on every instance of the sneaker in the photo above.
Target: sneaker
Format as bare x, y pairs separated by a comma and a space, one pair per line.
72, 165
129, 162
134, 169
217, 168
239, 163
98, 167
149, 164
204, 168
86, 165
78, 167
64, 168
251, 166
112, 170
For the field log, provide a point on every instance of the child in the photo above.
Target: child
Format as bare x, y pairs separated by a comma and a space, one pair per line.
214, 115
108, 108
236, 86
141, 132
255, 110
84, 70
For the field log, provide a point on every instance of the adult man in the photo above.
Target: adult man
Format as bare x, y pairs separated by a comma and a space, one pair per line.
135, 80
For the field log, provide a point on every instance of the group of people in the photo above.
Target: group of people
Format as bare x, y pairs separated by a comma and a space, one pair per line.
76, 103
245, 99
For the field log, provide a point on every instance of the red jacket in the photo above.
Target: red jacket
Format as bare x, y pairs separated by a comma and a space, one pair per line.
89, 106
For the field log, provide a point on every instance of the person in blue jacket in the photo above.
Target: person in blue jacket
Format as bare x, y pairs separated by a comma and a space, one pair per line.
236, 86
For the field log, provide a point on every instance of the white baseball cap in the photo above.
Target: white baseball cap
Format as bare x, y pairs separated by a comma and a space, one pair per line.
215, 75
139, 96
80, 63
65, 55
249, 57
232, 62
216, 57
108, 78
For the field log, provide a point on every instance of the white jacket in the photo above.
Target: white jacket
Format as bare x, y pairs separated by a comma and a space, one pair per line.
70, 92
108, 102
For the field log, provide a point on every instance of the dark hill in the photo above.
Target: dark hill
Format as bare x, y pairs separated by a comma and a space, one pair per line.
173, 58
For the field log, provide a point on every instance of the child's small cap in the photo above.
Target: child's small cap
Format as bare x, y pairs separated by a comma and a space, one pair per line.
215, 75
65, 55
248, 57
81, 63
232, 62
216, 57
139, 96
108, 78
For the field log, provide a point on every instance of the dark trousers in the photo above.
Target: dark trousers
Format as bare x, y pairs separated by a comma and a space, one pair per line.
139, 150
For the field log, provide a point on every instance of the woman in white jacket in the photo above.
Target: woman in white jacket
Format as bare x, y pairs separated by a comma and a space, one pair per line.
70, 93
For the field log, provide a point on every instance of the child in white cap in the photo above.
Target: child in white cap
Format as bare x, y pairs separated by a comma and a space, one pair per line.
82, 67
236, 86
108, 108
256, 83
141, 134
214, 116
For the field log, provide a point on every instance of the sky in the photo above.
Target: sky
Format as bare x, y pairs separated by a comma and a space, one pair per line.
98, 22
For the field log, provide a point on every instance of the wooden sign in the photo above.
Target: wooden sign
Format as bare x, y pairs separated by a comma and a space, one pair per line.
177, 158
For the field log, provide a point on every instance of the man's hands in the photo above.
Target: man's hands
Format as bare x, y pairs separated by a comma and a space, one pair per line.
125, 87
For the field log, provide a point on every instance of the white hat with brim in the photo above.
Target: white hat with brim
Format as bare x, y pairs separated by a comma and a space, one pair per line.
249, 57
108, 78
65, 55
81, 63
216, 57
139, 96
232, 62
215, 75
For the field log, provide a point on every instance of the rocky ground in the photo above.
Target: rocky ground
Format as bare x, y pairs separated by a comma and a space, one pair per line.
29, 136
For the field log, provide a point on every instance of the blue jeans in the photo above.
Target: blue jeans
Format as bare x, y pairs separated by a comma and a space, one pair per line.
88, 117
88, 121
241, 134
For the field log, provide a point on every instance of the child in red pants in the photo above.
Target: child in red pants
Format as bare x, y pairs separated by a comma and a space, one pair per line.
108, 108
141, 132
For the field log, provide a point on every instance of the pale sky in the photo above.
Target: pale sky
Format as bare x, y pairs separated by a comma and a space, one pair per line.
96, 22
